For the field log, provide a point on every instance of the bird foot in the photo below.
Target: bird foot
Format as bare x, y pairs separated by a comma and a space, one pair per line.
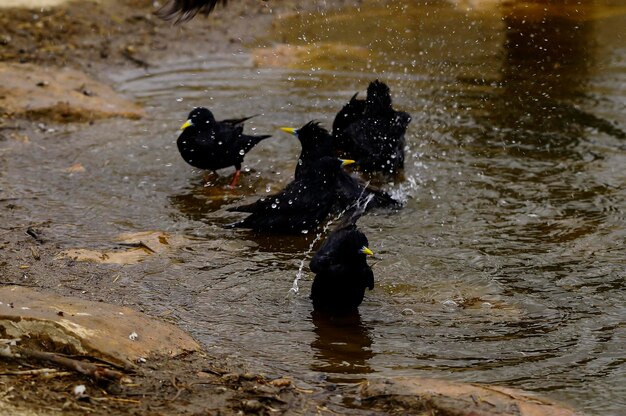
235, 180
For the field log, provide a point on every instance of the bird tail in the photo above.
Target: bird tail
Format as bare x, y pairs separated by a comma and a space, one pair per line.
252, 141
232, 225
250, 208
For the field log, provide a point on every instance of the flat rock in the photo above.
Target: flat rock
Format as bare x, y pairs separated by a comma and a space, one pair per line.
415, 395
59, 95
116, 334
136, 247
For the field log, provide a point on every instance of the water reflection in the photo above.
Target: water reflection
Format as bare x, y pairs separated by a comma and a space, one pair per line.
342, 347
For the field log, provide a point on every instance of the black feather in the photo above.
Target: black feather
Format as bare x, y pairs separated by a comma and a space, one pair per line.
340, 266
300, 207
372, 132
316, 143
210, 144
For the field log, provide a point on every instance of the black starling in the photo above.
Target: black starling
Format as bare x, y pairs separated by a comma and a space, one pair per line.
340, 267
209, 144
301, 206
316, 143
372, 132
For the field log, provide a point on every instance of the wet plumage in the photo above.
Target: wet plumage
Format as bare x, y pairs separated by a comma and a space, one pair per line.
372, 132
316, 143
206, 143
341, 270
301, 206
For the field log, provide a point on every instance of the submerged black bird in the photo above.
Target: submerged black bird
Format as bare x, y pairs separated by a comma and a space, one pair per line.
206, 143
301, 206
316, 143
371, 131
341, 269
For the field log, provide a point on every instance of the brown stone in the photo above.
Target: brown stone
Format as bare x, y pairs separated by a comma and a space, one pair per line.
136, 248
59, 95
444, 397
117, 334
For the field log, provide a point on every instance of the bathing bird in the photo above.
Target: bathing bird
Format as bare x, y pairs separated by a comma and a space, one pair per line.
316, 142
301, 206
340, 267
206, 143
371, 131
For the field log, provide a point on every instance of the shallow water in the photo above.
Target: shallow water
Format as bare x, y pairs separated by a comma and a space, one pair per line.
505, 266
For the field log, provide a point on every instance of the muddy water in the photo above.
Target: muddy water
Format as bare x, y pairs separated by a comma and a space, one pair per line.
505, 266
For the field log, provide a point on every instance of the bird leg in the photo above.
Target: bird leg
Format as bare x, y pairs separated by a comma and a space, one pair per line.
235, 180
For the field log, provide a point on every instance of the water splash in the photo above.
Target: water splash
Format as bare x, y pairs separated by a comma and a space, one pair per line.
294, 286
361, 204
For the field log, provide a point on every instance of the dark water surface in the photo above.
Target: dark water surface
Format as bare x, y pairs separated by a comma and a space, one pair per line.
507, 264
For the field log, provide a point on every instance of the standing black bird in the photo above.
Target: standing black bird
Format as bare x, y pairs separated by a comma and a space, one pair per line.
301, 206
341, 269
206, 143
371, 131
316, 143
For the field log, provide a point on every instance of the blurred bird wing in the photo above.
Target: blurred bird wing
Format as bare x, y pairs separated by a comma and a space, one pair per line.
350, 113
228, 133
183, 10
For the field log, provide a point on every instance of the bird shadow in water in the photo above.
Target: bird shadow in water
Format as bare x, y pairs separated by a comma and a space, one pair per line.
281, 243
342, 347
209, 192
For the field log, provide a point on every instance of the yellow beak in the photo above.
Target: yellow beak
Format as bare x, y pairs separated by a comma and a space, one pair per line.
188, 123
345, 162
367, 251
290, 130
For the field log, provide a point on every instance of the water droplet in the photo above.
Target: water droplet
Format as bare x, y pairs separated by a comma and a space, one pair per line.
242, 152
180, 100
268, 188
